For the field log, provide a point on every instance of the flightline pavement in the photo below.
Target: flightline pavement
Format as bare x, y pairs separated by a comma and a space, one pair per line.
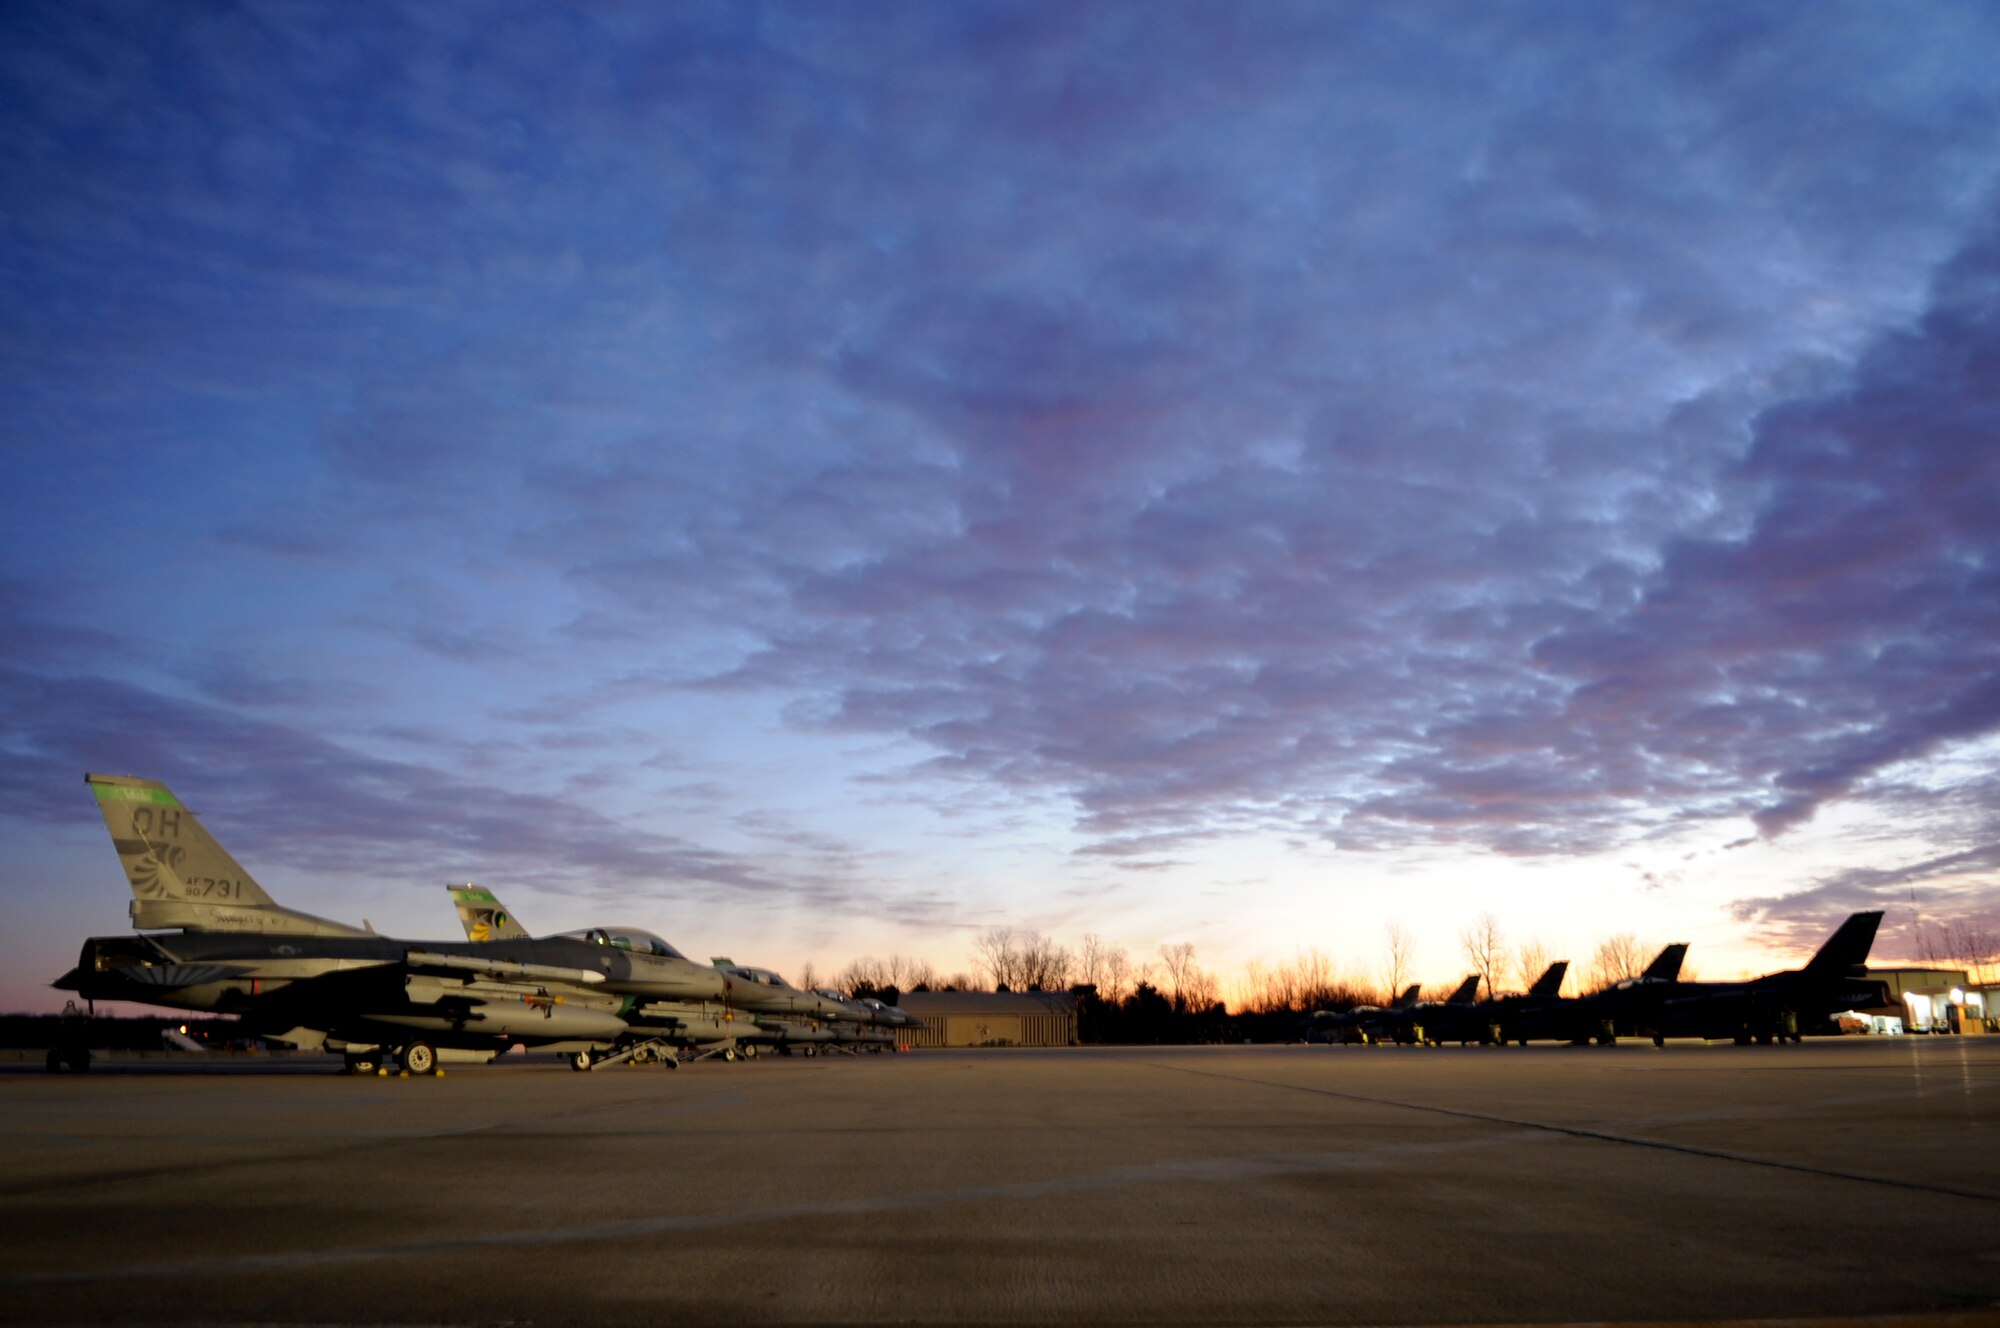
1844, 1181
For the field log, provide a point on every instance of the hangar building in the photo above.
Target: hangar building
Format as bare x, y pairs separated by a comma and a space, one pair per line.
1934, 1000
991, 1018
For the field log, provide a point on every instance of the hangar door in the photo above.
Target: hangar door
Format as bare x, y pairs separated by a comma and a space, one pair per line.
974, 1030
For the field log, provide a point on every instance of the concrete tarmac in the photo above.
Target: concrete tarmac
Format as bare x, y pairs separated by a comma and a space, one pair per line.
1846, 1177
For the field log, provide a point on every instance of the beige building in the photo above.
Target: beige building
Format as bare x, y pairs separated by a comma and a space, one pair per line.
1934, 1000
991, 1019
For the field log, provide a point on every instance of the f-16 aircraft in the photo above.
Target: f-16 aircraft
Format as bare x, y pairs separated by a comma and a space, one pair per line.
1461, 1018
1512, 1015
1435, 1022
1365, 1023
310, 981
754, 1010
1780, 1005
873, 1023
1626, 1007
890, 1016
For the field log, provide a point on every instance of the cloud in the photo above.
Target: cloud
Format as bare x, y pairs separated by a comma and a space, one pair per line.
1512, 431
289, 796
1856, 623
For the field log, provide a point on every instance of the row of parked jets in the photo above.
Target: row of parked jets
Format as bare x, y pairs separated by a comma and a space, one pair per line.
210, 939
1776, 1007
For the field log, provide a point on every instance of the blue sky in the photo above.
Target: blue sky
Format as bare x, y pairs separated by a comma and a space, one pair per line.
819, 480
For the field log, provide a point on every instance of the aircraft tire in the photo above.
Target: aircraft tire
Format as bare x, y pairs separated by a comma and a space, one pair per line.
54, 1062
581, 1060
811, 1050
729, 1053
417, 1058
1659, 1040
362, 1062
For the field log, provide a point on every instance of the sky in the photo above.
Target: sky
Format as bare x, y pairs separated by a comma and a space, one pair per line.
821, 480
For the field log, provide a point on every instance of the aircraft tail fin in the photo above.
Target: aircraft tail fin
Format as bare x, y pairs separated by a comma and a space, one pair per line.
484, 917
1550, 983
1666, 966
1849, 945
1467, 993
1408, 998
180, 875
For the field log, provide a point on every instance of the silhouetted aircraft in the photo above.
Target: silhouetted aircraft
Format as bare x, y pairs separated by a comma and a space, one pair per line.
1462, 1020
1781, 1005
1364, 1023
1434, 1022
1599, 1017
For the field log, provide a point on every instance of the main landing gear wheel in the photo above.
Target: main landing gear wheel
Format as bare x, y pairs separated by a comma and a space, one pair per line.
418, 1058
582, 1060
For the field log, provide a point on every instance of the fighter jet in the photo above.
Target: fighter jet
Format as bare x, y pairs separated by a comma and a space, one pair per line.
1780, 1005
750, 1012
891, 1016
314, 982
1626, 1007
1512, 1015
1433, 1022
1461, 1019
1364, 1023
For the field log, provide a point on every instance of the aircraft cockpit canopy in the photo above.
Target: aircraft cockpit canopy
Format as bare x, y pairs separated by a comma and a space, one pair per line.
762, 976
626, 938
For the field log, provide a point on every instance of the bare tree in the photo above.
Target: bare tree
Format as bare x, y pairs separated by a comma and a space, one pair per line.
997, 955
1045, 966
1485, 948
1531, 960
808, 976
1958, 945
1199, 990
1179, 961
1396, 960
1309, 982
1616, 959
1116, 984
